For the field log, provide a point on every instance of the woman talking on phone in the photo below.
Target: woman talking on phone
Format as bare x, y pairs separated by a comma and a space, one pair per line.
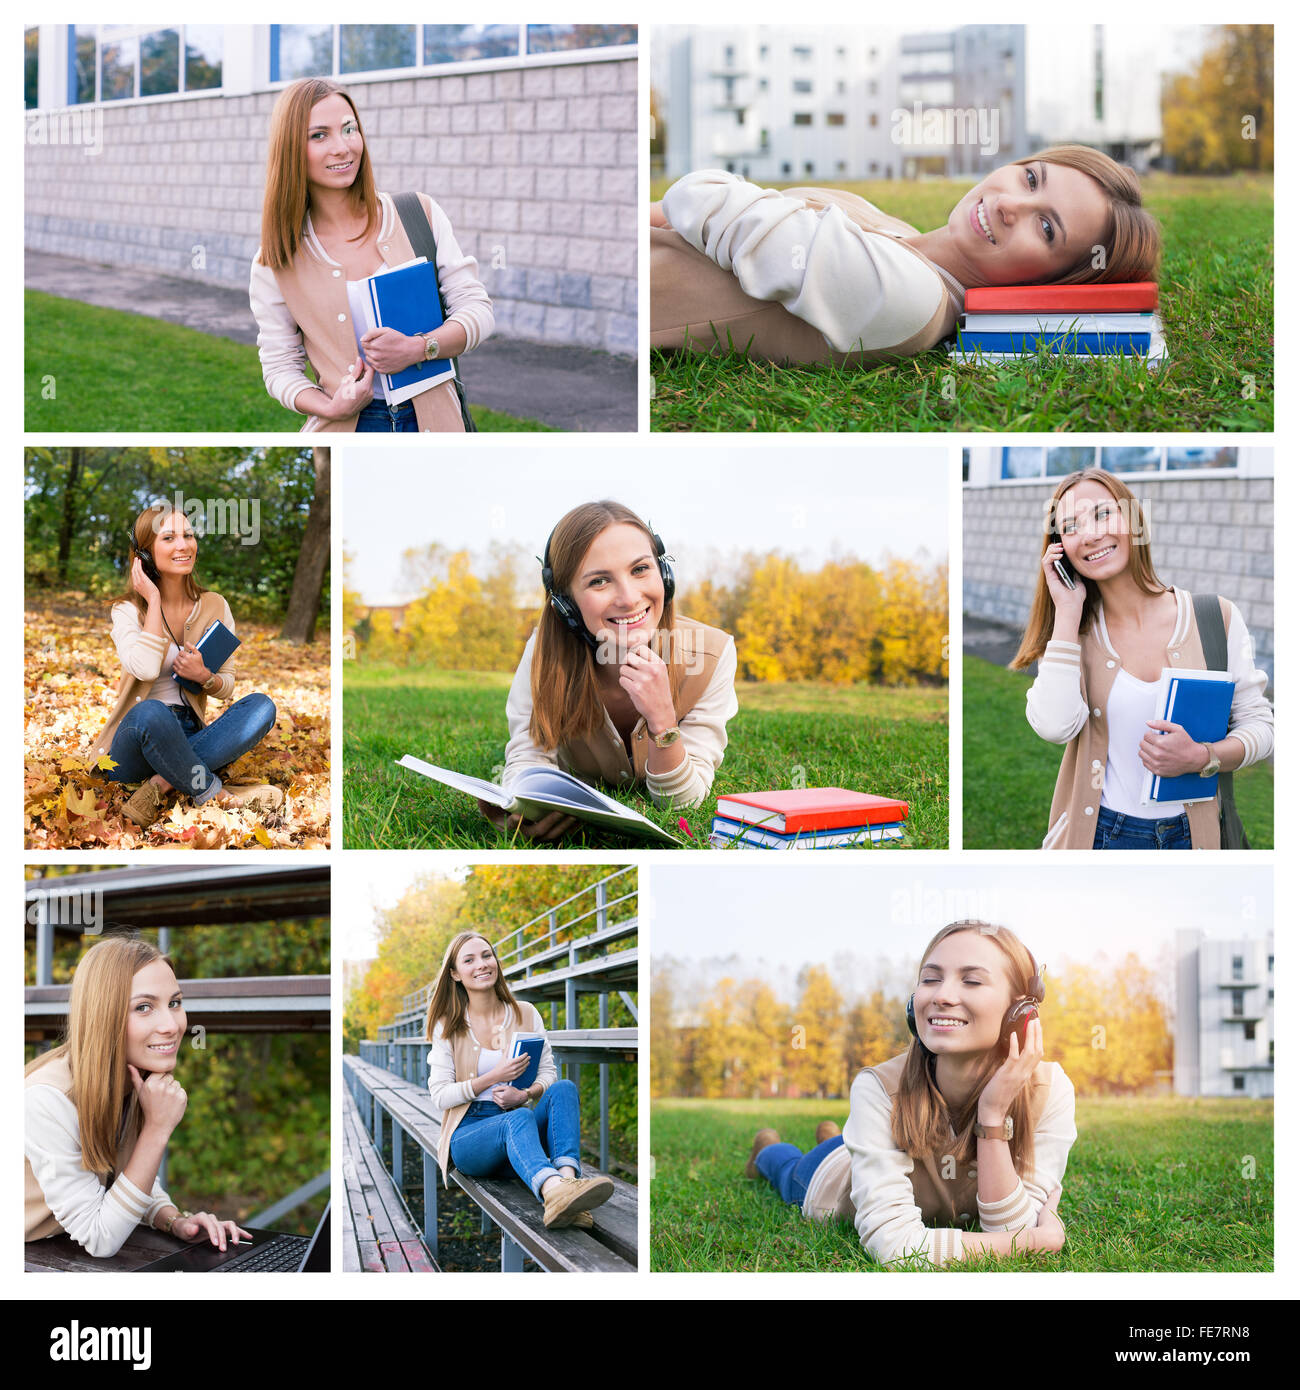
158, 734
970, 1122
101, 1108
615, 685
491, 1126
1102, 628
325, 232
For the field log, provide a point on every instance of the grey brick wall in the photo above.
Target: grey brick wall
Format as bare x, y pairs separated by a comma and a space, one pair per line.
536, 167
1207, 535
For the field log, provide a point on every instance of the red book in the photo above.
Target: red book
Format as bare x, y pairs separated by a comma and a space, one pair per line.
811, 808
1137, 298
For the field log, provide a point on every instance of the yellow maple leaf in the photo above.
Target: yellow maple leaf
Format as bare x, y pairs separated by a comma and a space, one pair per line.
79, 803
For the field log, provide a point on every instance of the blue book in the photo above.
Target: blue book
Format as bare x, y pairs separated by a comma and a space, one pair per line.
532, 1044
728, 832
1131, 344
215, 647
1201, 701
406, 299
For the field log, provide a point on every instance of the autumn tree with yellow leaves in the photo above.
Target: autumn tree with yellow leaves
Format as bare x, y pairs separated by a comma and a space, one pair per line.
1219, 117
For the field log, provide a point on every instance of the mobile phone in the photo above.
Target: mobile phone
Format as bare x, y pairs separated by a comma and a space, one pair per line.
1064, 569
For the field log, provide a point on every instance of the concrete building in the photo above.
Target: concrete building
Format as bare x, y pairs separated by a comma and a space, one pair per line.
1209, 511
1223, 1029
146, 146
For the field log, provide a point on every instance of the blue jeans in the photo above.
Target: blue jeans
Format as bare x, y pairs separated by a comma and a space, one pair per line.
489, 1142
789, 1170
1115, 830
171, 740
381, 418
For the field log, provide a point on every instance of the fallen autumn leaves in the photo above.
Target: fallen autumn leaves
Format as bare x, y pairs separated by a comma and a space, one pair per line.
71, 679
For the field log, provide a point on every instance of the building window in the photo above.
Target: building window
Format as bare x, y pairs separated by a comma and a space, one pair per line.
807, 166
1024, 462
803, 118
1238, 968
804, 54
119, 62
762, 84
835, 118
1249, 1030
376, 47
730, 58
1270, 965
31, 66
1238, 1083
840, 88
841, 167
873, 120
762, 52
762, 139
1238, 1002
841, 52
566, 38
785, 168
463, 43
803, 86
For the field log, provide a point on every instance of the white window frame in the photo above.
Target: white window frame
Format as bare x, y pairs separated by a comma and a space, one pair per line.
985, 463
138, 31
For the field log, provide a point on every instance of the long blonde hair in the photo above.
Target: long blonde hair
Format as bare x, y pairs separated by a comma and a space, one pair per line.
566, 695
1131, 238
146, 529
285, 202
95, 1045
449, 1003
1042, 610
921, 1118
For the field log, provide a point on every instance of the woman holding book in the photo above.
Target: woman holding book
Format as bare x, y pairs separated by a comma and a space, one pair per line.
325, 231
490, 1125
819, 274
157, 734
614, 685
1103, 628
969, 1123
101, 1108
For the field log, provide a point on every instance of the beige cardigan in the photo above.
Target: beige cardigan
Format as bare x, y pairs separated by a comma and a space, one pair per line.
142, 654
799, 275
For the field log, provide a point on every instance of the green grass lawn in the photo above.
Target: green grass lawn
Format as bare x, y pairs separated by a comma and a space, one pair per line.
1216, 295
1151, 1185
892, 742
109, 370
1009, 773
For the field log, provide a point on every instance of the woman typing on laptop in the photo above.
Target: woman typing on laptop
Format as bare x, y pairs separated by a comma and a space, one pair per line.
101, 1107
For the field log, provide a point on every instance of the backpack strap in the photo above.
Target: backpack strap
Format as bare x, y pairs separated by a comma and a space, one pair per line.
1214, 645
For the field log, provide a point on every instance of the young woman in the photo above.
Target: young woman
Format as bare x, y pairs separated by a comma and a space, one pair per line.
967, 1123
157, 734
1100, 648
324, 232
613, 685
488, 1128
101, 1107
818, 274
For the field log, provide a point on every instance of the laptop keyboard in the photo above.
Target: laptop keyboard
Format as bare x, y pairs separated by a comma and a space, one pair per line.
283, 1253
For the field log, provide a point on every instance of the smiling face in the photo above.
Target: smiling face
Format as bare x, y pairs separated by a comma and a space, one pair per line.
334, 144
476, 966
618, 587
175, 547
1029, 224
963, 994
155, 1018
1094, 529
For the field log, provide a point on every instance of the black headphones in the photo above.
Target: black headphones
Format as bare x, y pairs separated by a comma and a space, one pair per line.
568, 611
1017, 1017
147, 560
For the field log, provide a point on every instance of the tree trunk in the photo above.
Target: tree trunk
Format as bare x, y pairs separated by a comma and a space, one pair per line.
69, 513
313, 559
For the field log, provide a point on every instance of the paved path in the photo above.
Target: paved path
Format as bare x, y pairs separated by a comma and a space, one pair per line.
987, 637
568, 388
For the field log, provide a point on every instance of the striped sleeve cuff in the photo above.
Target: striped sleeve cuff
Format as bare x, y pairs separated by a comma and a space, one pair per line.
471, 323
946, 1245
128, 1198
1069, 654
1251, 738
1010, 1213
680, 787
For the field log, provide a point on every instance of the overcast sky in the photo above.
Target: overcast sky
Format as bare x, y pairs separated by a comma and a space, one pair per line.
858, 499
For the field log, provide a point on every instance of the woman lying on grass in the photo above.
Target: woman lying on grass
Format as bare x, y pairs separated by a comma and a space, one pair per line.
969, 1121
820, 275
614, 685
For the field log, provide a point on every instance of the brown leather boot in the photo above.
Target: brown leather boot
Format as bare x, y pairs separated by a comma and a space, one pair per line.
563, 1202
828, 1129
144, 806
762, 1139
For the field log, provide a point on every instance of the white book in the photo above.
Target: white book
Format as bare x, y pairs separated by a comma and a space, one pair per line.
537, 791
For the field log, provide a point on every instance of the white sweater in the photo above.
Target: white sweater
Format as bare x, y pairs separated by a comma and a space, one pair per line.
861, 290
99, 1218
703, 734
445, 1091
888, 1221
149, 658
279, 339
1057, 710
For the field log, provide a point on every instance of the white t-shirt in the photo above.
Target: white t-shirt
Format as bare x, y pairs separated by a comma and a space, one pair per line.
1132, 702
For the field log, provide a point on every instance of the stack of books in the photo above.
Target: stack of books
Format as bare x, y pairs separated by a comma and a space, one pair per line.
808, 818
1004, 323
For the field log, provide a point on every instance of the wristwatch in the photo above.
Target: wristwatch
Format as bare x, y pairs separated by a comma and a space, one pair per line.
667, 738
430, 347
1212, 766
1004, 1133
